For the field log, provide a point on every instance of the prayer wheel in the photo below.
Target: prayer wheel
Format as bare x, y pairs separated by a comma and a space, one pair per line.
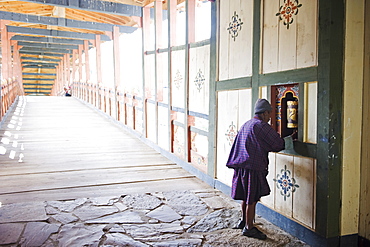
292, 114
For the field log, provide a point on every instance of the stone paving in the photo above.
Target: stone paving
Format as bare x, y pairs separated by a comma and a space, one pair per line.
175, 218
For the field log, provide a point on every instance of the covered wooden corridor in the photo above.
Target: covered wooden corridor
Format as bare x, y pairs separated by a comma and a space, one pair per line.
58, 148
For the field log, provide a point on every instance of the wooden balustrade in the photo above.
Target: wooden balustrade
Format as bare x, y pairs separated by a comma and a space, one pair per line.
10, 89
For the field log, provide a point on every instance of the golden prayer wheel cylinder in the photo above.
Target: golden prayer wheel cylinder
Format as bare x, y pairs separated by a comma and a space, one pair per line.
292, 114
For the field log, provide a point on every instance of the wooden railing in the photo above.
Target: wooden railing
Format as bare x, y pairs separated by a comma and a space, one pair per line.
130, 111
10, 89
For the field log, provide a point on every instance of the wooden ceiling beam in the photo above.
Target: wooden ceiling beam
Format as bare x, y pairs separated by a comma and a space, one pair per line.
40, 59
49, 54
47, 40
47, 45
54, 33
94, 6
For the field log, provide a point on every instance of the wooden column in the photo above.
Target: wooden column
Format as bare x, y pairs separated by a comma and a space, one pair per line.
18, 66
190, 38
212, 124
68, 67
82, 91
87, 71
117, 65
146, 45
5, 50
98, 68
159, 45
74, 68
191, 21
172, 5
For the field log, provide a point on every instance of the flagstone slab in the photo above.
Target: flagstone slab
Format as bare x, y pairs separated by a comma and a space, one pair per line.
92, 212
119, 218
164, 214
178, 242
216, 202
141, 201
119, 239
67, 206
185, 203
220, 219
36, 233
80, 235
23, 212
65, 218
104, 201
10, 233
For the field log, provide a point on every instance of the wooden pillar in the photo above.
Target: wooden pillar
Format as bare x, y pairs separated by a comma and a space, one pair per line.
80, 48
191, 21
5, 50
68, 67
146, 46
74, 68
18, 67
172, 6
87, 70
190, 38
117, 66
158, 45
172, 22
98, 68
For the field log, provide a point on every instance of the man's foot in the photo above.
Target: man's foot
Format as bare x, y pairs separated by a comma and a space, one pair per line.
254, 233
240, 225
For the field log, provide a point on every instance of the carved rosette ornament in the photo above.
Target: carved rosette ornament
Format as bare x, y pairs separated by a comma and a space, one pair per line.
287, 11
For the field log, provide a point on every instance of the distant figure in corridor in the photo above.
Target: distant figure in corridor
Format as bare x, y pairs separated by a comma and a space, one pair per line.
249, 159
67, 91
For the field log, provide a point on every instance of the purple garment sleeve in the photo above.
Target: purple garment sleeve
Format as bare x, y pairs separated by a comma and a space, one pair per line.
252, 144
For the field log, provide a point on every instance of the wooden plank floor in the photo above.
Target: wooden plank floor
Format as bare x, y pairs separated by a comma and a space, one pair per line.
57, 148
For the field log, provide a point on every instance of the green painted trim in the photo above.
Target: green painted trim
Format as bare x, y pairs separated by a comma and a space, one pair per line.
256, 51
212, 114
301, 115
233, 84
169, 85
178, 48
156, 22
329, 107
200, 43
144, 134
290, 76
186, 84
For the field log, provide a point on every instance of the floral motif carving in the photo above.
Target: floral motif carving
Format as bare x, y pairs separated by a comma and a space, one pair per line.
178, 79
231, 133
288, 10
285, 183
199, 80
235, 26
